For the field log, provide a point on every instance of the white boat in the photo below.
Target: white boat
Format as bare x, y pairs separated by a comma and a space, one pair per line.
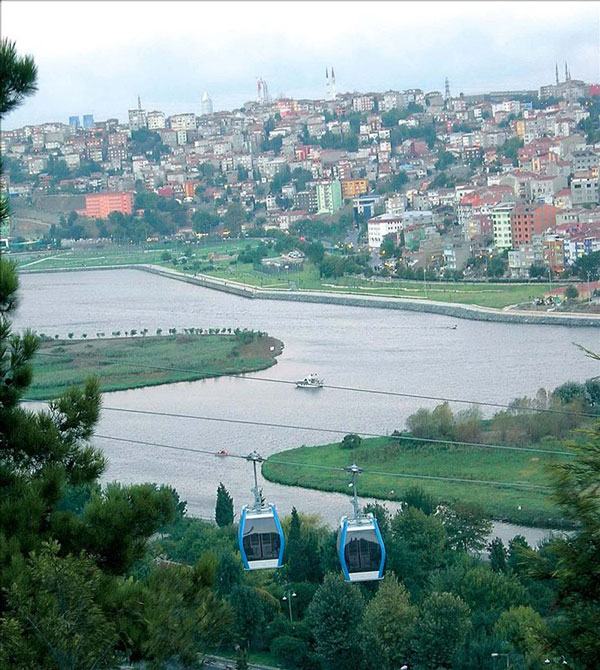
310, 382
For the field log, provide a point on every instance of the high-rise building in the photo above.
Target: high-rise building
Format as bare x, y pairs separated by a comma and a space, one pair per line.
263, 91
74, 122
207, 106
329, 197
137, 117
88, 121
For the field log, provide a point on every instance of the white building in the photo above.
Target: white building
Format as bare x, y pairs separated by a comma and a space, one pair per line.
500, 216
385, 224
182, 121
156, 120
207, 106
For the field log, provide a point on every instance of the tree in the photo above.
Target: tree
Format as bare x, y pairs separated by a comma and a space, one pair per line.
249, 614
573, 563
181, 613
467, 526
418, 547
54, 603
497, 555
290, 651
351, 441
588, 264
224, 513
441, 629
388, 624
418, 498
487, 593
334, 615
525, 630
18, 77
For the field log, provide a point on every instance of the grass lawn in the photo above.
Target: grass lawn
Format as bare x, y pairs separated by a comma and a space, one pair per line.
119, 255
118, 362
384, 455
483, 294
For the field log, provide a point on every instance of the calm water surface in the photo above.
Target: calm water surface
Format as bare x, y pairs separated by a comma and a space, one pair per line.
359, 347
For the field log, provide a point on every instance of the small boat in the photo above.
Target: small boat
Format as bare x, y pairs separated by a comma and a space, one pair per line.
222, 452
310, 382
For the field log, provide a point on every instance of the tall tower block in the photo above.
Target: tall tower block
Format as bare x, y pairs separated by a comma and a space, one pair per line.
332, 90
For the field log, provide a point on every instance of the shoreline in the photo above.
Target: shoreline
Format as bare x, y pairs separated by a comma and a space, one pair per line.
455, 310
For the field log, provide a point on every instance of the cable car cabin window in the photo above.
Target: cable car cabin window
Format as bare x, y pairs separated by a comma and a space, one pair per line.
362, 551
261, 540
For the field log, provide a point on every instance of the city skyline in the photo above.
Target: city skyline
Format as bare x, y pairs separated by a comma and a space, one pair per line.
170, 62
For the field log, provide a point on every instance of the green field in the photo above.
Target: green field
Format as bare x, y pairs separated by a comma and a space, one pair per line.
119, 363
119, 255
383, 455
481, 293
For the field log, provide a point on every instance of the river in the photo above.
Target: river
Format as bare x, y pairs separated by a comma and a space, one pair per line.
372, 348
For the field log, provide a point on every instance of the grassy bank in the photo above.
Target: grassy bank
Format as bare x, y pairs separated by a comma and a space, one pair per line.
484, 294
120, 363
218, 259
506, 503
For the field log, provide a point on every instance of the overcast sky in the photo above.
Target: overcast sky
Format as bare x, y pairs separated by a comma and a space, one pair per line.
96, 56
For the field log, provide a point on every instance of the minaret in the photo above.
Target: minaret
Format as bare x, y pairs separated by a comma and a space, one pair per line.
557, 74
566, 72
326, 84
139, 103
332, 90
447, 91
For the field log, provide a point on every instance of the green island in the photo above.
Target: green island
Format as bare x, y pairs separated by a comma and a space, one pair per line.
517, 505
132, 362
500, 464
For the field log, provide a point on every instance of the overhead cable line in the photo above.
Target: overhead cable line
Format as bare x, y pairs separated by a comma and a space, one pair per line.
270, 424
353, 389
460, 480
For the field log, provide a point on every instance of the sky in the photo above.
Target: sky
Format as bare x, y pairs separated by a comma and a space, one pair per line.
96, 56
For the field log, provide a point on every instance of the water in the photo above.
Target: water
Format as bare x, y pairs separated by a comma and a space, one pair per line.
359, 347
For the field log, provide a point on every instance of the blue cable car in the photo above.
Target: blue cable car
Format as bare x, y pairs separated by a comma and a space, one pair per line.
359, 543
360, 548
260, 537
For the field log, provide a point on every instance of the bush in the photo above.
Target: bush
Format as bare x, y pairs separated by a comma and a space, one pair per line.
351, 441
571, 293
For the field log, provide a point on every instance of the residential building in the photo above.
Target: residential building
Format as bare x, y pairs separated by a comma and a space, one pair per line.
182, 121
363, 103
156, 120
529, 220
584, 188
501, 228
380, 226
329, 197
354, 187
100, 205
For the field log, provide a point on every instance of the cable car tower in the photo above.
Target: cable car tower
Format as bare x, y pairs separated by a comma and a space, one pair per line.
260, 536
360, 545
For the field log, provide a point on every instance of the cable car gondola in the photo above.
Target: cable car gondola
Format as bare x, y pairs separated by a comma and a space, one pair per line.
260, 536
360, 545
